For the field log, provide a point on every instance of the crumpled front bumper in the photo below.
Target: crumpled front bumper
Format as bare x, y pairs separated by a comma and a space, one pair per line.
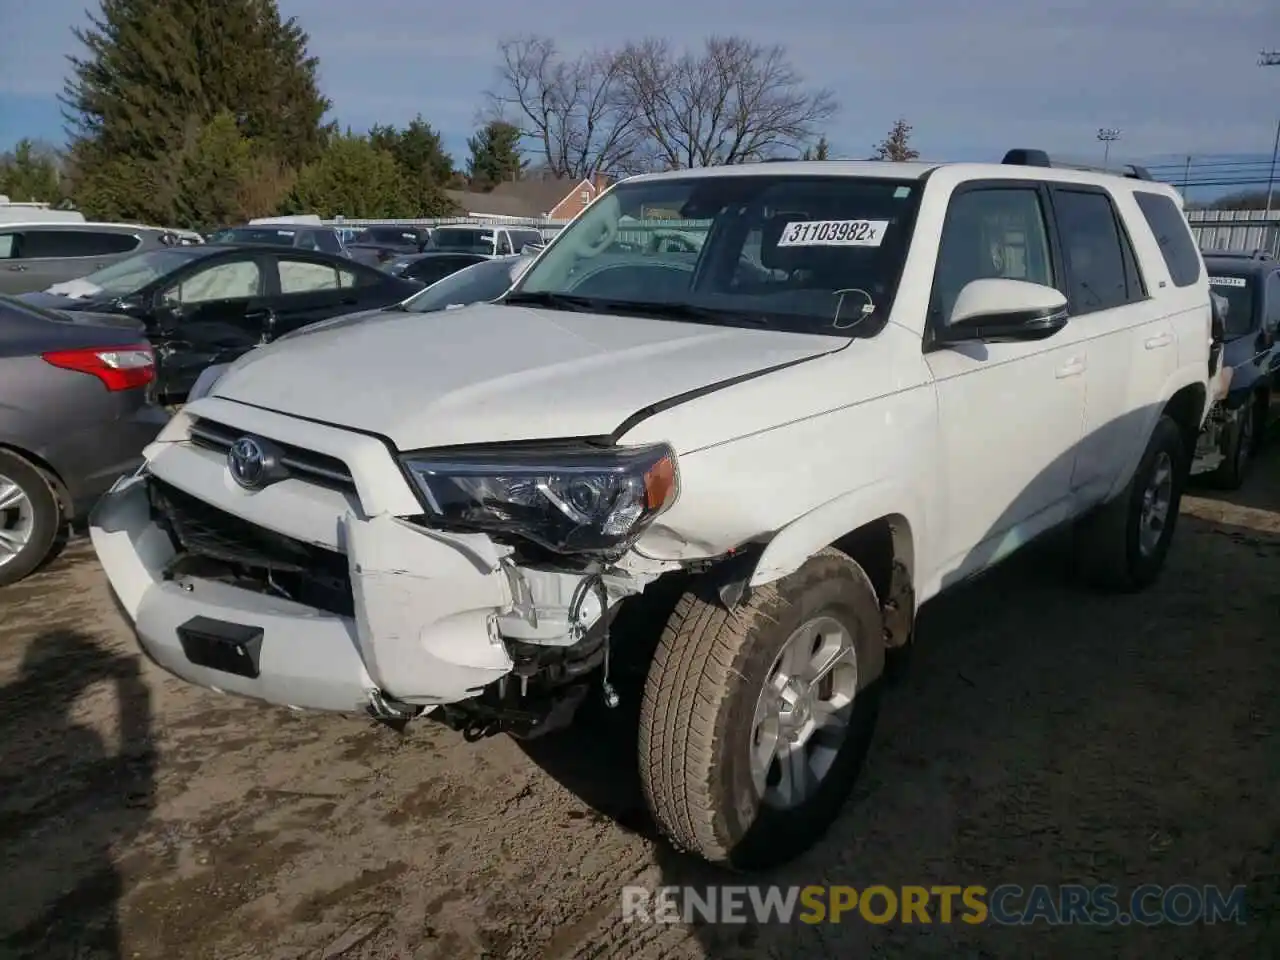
424, 631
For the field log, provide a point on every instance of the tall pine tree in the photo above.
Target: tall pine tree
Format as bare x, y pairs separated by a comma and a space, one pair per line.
495, 155
155, 73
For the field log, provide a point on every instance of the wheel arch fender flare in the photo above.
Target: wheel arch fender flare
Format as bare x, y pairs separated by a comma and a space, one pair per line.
1183, 395
829, 522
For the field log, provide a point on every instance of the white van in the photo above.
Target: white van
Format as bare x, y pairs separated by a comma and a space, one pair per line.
35, 212
482, 238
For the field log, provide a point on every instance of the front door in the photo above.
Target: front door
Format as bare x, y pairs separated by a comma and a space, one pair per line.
1010, 413
211, 314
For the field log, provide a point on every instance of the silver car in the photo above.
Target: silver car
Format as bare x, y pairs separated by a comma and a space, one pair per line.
74, 417
35, 256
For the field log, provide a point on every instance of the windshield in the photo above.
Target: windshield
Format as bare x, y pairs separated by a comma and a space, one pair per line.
467, 240
1238, 292
480, 282
281, 236
798, 253
131, 275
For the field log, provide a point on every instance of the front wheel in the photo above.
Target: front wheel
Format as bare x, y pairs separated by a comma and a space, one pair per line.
1238, 450
755, 721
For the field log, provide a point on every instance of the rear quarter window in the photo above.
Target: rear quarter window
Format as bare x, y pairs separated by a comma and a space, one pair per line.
1173, 234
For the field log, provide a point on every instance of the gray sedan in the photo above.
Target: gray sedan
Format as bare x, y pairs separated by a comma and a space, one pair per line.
74, 416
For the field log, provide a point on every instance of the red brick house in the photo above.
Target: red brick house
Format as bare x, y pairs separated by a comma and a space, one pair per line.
538, 198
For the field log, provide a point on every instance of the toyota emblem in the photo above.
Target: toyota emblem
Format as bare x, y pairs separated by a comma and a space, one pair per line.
253, 463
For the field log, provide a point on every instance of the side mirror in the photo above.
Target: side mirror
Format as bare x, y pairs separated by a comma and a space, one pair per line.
269, 321
132, 305
1004, 311
167, 314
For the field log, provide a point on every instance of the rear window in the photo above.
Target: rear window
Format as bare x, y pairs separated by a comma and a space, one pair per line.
281, 237
453, 238
46, 242
1174, 236
1239, 294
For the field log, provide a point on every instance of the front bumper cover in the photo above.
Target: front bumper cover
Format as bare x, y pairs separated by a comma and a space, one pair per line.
424, 631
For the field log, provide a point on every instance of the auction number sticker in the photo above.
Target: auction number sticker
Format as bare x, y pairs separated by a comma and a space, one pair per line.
1227, 282
833, 233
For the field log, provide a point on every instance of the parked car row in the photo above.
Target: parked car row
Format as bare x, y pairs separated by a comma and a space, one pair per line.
150, 329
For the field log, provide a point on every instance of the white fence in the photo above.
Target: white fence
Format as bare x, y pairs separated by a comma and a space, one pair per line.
1236, 229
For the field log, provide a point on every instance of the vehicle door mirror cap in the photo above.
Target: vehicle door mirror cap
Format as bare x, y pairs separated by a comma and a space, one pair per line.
1000, 310
131, 304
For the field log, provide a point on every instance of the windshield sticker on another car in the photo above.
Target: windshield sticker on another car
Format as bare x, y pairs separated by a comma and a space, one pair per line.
1227, 282
833, 233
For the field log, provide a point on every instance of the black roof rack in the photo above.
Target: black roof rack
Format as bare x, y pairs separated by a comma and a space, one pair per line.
1021, 157
1258, 254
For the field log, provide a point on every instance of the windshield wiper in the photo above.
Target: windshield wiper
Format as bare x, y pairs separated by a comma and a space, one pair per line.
555, 301
681, 311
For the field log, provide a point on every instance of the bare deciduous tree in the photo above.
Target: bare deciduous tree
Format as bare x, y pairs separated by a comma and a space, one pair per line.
733, 101
575, 111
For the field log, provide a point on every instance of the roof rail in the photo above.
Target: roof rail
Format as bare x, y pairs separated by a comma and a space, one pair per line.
1256, 254
1022, 157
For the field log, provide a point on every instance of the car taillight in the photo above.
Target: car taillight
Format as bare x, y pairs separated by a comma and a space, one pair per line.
119, 368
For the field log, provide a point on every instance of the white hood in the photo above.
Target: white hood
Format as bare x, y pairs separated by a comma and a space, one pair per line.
491, 373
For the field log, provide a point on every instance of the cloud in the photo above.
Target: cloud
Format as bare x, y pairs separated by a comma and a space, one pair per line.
1174, 76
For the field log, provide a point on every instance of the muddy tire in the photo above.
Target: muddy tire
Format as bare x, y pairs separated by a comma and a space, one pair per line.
1122, 547
1238, 451
30, 518
707, 719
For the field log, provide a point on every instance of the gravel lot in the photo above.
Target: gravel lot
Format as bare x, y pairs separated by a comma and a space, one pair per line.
1043, 735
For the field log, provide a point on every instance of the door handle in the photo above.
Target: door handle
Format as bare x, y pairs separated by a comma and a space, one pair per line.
1072, 368
1158, 341
18, 268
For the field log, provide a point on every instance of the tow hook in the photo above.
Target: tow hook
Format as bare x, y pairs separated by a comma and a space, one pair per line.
393, 713
578, 630
611, 698
479, 729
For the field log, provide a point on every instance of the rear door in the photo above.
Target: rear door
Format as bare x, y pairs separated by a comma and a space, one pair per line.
54, 254
209, 313
308, 289
1129, 345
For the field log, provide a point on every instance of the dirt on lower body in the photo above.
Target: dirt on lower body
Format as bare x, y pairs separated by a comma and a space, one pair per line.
1044, 735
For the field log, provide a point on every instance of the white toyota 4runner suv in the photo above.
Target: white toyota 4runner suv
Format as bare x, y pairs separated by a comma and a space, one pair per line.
869, 382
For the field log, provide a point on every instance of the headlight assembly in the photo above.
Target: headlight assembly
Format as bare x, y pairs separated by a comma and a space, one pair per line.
568, 499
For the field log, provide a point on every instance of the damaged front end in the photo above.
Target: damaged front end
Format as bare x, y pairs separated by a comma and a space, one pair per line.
557, 520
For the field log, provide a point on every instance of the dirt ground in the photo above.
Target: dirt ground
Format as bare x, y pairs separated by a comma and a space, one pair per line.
1043, 735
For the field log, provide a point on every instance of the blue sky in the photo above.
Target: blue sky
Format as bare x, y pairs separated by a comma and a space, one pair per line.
974, 78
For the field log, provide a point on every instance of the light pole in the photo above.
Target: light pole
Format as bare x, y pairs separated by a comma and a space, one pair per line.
1271, 58
1108, 136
